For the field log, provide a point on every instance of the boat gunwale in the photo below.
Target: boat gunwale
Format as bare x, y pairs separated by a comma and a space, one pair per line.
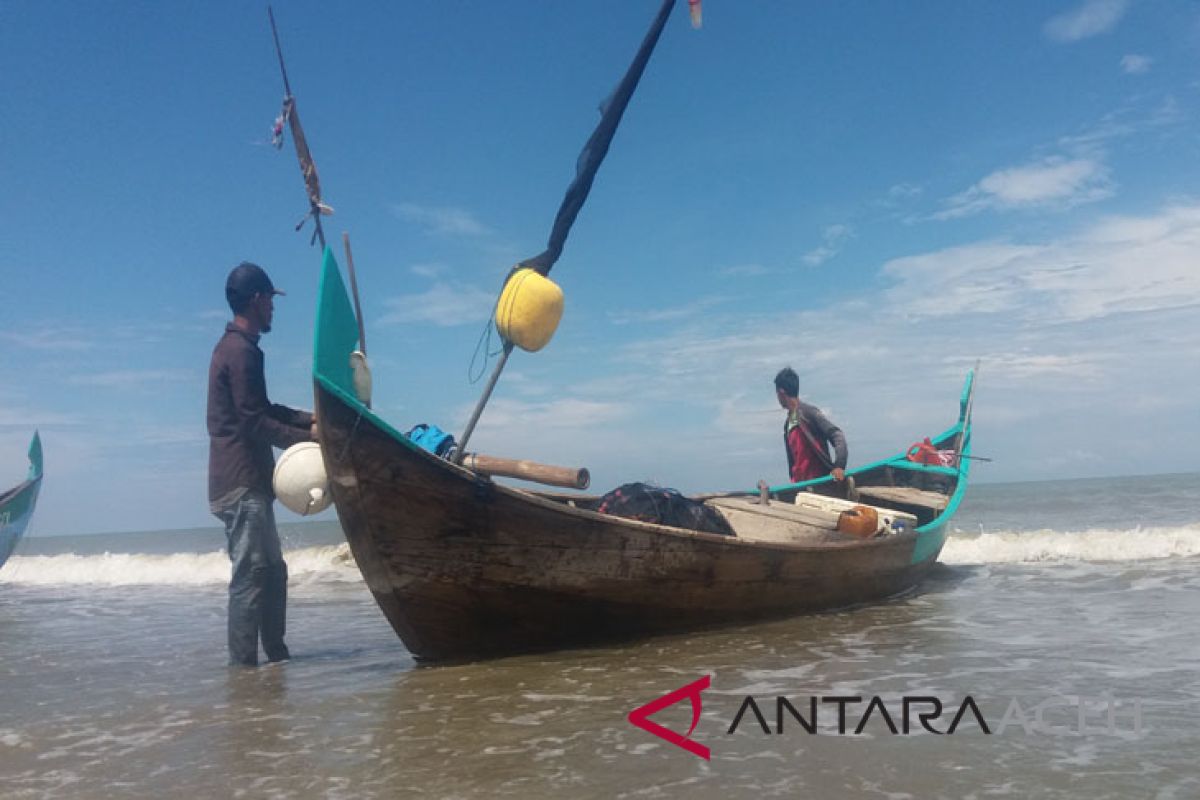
11, 494
568, 511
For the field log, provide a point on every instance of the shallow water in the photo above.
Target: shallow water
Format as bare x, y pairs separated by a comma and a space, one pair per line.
114, 682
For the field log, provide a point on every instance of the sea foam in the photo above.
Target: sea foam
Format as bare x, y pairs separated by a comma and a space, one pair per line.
1096, 544
330, 563
335, 564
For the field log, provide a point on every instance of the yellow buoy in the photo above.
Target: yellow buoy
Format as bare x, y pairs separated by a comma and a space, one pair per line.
529, 310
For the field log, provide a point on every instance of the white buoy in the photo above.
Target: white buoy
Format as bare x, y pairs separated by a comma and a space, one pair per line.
300, 481
361, 375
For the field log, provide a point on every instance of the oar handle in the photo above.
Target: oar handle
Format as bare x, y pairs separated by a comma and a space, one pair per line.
566, 477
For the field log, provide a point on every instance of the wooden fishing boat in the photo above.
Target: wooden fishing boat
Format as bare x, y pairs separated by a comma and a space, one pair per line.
16, 504
466, 568
463, 567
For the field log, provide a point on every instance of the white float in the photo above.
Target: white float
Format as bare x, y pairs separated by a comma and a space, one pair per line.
300, 481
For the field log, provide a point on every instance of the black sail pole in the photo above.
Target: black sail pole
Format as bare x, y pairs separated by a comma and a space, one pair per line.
287, 87
596, 149
586, 166
308, 169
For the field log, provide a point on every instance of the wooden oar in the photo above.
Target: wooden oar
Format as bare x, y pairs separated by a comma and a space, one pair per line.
566, 477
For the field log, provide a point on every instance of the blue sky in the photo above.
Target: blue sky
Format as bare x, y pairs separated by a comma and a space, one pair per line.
874, 193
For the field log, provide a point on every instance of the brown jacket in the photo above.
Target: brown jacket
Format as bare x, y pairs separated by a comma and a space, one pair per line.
242, 423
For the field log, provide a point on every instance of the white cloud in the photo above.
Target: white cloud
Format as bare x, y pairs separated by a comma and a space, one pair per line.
563, 413
902, 192
1138, 117
1091, 332
832, 239
663, 314
1053, 182
53, 339
744, 271
1133, 64
1090, 18
130, 378
441, 221
1022, 366
569, 431
1118, 264
167, 435
22, 418
1070, 329
443, 304
428, 270
975, 278
746, 415
1074, 331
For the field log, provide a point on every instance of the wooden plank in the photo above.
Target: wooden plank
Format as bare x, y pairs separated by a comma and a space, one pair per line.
806, 515
905, 495
777, 522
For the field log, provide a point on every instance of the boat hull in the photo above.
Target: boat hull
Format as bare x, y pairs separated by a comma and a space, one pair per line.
17, 504
465, 568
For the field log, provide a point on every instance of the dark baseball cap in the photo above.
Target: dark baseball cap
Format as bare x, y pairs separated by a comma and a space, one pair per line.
247, 280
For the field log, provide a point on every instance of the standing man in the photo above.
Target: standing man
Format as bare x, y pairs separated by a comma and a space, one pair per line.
807, 434
242, 427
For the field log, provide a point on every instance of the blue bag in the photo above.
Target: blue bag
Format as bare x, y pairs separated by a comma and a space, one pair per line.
431, 438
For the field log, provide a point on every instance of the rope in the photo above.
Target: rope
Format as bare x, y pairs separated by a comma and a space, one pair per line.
350, 439
485, 337
485, 341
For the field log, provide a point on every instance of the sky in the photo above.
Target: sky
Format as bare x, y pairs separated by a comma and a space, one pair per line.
877, 194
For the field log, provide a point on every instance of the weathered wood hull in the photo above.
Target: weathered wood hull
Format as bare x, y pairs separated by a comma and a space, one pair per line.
466, 568
463, 567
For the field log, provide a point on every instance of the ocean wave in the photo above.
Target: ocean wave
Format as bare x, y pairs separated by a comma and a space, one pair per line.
327, 564
335, 563
1096, 544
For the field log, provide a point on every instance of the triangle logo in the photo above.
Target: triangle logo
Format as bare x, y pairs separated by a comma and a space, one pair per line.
641, 717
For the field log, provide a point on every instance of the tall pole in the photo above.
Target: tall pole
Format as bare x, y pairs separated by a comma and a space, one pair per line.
287, 87
962, 433
308, 169
487, 393
586, 167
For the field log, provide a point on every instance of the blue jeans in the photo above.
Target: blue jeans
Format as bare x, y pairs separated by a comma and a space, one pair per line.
258, 585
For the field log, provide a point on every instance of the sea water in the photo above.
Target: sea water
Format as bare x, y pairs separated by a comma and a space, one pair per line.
1076, 603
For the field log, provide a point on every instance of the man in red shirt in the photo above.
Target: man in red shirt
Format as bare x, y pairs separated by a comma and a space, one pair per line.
808, 434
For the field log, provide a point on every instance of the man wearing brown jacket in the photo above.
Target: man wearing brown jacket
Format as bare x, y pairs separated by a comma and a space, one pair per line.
243, 425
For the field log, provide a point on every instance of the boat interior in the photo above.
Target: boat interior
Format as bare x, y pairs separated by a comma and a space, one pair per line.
901, 498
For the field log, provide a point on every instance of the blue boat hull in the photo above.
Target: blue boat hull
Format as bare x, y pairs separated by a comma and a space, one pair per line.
17, 504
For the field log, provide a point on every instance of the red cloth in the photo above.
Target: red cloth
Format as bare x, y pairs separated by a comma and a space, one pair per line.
806, 463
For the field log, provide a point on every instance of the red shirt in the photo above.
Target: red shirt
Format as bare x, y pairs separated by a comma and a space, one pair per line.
806, 463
